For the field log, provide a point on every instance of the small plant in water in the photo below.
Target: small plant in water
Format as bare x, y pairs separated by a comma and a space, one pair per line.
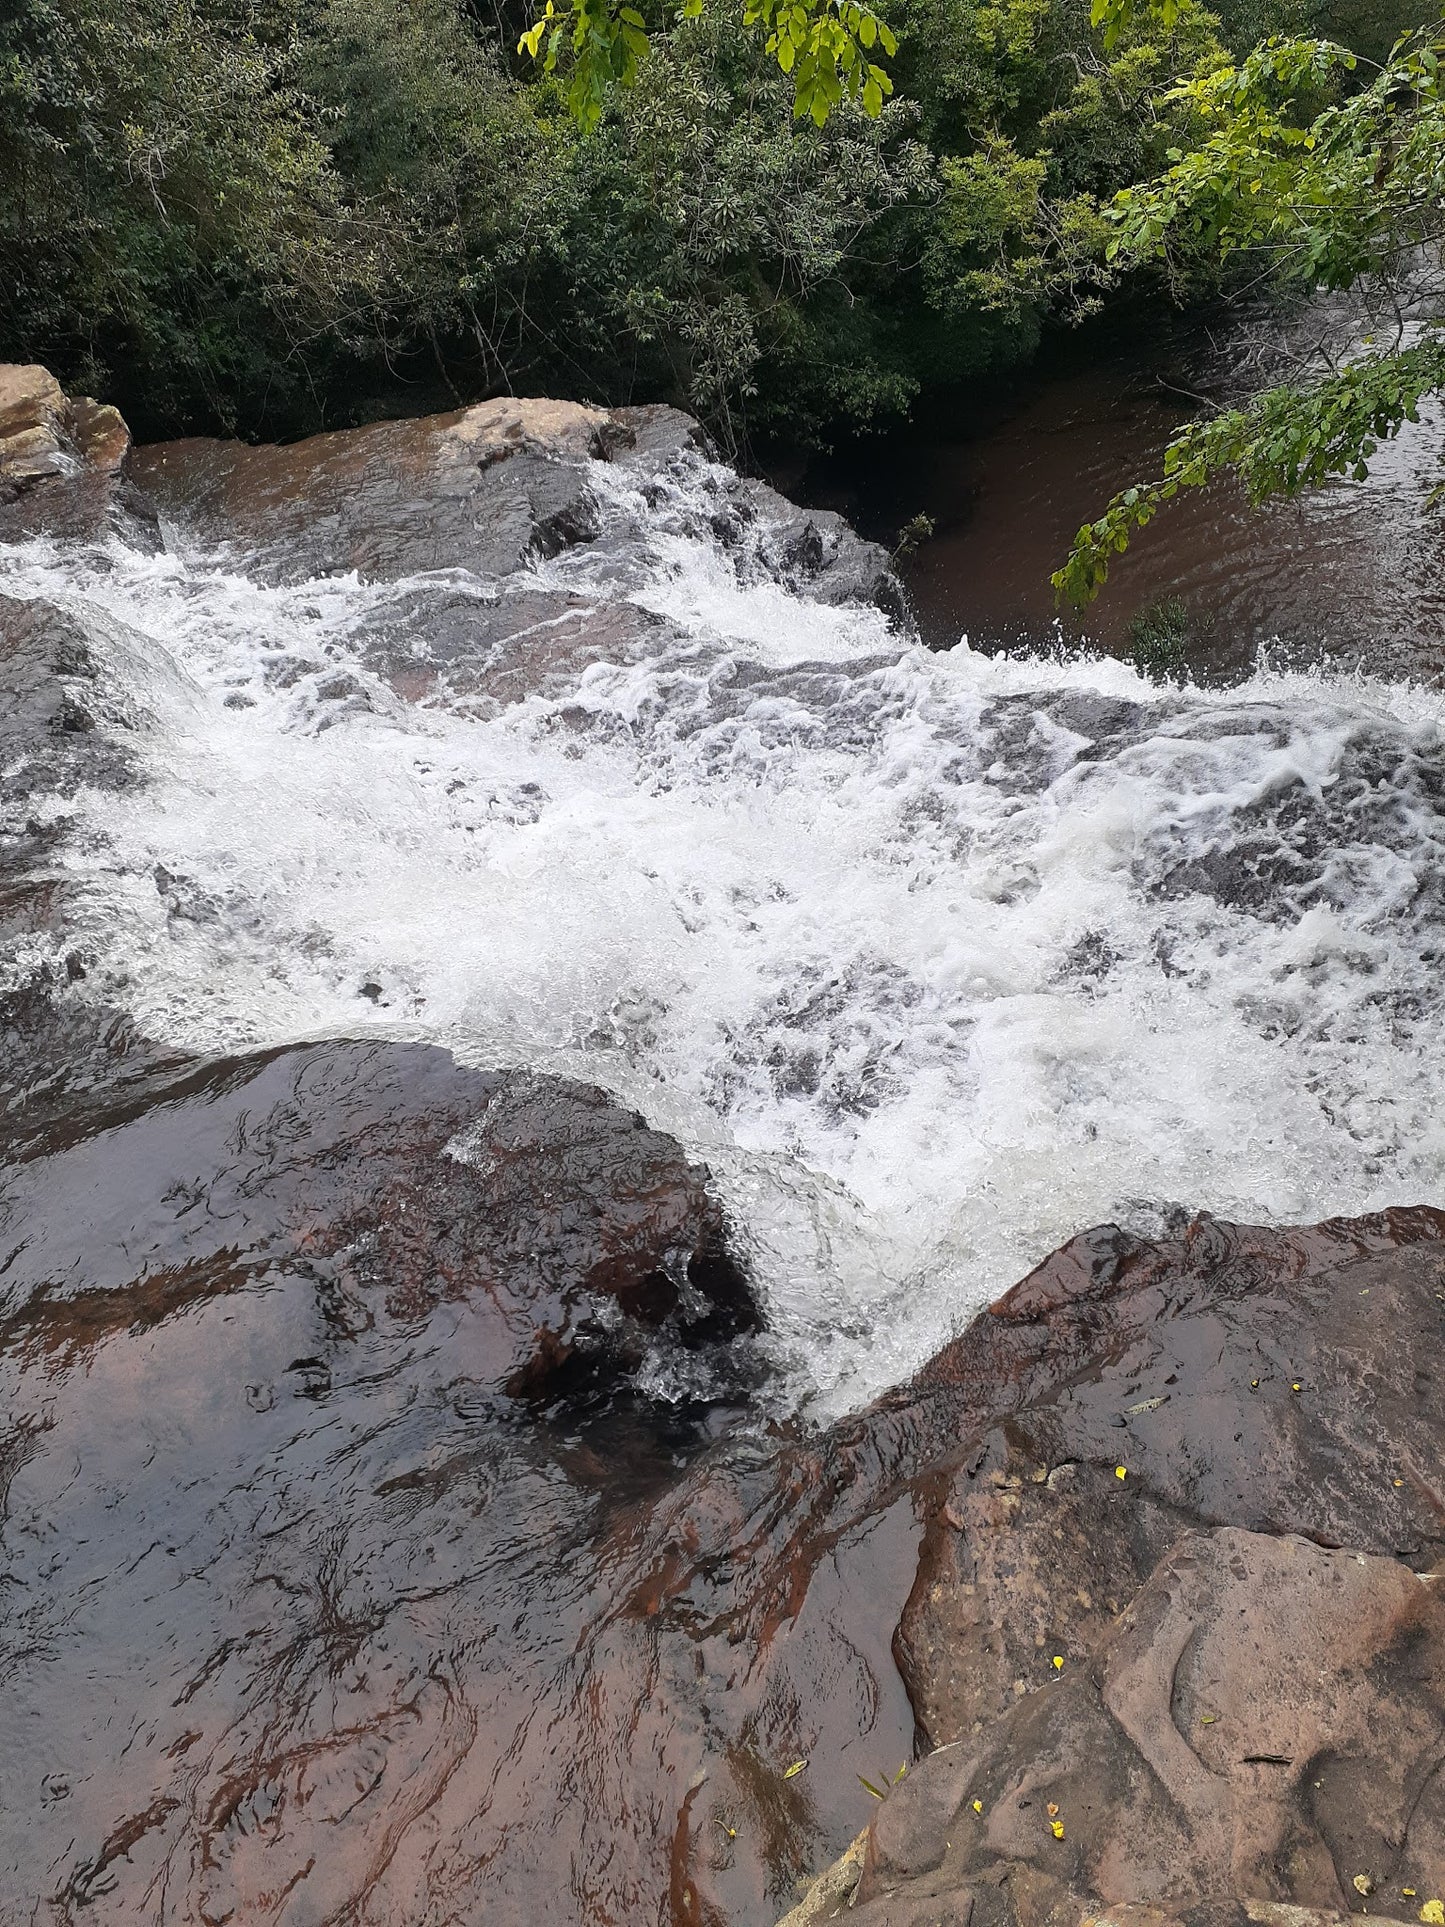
911, 537
1162, 635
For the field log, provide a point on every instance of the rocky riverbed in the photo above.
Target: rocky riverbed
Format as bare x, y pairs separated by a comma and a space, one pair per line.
407, 1507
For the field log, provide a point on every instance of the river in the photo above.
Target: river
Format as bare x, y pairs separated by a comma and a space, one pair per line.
935, 952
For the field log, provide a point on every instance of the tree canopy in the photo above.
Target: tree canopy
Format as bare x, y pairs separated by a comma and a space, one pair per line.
827, 47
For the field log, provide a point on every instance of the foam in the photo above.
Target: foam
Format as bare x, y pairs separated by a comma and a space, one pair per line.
936, 959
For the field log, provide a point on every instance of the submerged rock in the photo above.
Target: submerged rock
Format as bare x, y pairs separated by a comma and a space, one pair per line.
563, 1229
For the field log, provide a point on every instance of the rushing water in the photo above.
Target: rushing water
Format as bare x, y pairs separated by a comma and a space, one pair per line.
934, 957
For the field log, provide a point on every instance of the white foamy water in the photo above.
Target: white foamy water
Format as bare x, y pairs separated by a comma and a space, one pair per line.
936, 959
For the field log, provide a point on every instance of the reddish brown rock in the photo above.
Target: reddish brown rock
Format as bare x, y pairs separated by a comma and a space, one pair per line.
350, 1642
1223, 1713
1262, 1723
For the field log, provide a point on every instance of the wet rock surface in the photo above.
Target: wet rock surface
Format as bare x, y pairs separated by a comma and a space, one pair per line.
493, 491
352, 1568
64, 729
398, 1183
521, 1660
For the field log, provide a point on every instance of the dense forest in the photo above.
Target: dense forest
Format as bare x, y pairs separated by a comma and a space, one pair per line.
261, 216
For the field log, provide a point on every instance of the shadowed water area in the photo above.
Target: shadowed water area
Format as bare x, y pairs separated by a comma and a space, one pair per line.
1348, 576
535, 1014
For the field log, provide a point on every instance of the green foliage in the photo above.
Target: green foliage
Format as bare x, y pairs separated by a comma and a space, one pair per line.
164, 195
274, 214
1037, 125
694, 245
1316, 179
826, 46
1160, 638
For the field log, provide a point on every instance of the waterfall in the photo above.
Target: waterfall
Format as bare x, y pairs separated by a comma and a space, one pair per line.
934, 958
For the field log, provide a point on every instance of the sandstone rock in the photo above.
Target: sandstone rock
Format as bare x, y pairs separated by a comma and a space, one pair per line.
60, 461
1261, 1723
481, 488
61, 718
1220, 1713
324, 1602
65, 727
30, 398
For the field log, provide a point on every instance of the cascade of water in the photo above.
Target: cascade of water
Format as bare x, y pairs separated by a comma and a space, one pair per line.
934, 958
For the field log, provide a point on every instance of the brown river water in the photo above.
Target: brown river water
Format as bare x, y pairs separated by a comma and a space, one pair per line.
1354, 575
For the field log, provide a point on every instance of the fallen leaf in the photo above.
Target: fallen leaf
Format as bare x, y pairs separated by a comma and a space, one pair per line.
1056, 1827
978, 1806
1208, 1719
1363, 1884
1053, 1809
1058, 1662
1433, 1913
795, 1769
1121, 1471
